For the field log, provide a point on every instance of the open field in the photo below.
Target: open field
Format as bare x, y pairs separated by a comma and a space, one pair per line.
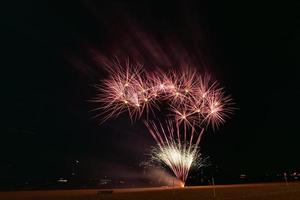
266, 191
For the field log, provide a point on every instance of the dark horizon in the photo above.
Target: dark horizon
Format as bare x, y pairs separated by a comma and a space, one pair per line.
49, 75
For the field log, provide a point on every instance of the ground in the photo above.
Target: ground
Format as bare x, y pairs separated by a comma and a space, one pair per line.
265, 191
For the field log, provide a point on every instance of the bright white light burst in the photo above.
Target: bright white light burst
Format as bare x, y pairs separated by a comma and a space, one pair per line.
178, 158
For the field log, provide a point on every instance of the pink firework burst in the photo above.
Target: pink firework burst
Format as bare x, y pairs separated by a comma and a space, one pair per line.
193, 100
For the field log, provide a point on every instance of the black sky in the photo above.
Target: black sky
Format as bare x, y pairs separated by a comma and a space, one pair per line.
253, 48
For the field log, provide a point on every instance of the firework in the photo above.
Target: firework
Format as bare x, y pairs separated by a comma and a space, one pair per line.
177, 153
177, 158
192, 101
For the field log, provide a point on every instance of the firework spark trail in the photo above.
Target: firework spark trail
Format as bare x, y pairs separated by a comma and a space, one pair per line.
193, 101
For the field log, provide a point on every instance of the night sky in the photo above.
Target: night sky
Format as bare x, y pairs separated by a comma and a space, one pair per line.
48, 76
